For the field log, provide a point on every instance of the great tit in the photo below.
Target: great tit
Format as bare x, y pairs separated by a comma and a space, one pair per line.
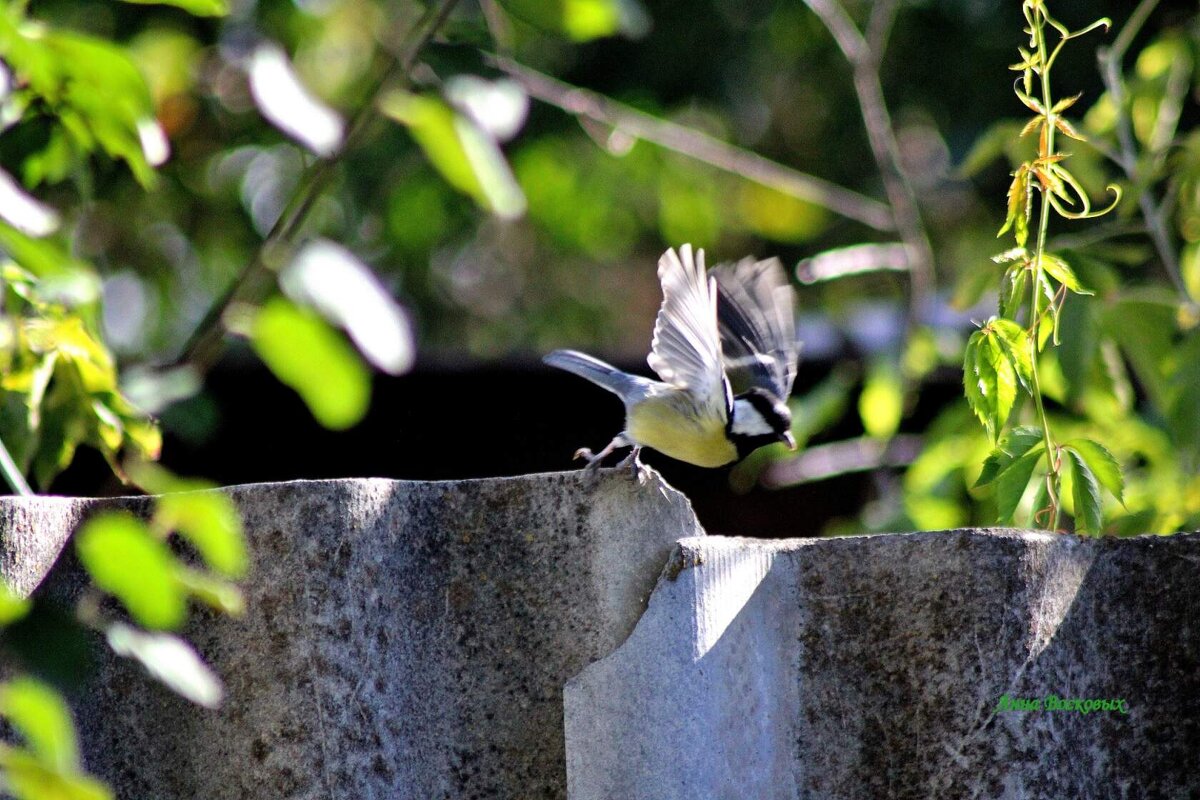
725, 349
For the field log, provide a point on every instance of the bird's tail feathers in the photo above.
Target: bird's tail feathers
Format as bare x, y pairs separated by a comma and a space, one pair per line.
596, 371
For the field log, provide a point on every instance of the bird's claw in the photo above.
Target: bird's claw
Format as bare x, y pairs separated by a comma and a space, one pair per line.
638, 471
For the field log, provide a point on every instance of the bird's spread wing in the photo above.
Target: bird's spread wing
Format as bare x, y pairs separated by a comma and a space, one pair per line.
686, 351
755, 315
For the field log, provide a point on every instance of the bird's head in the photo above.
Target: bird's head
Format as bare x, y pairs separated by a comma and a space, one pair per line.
760, 418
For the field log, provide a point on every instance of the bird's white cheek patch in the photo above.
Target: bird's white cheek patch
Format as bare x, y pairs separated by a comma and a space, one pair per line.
747, 421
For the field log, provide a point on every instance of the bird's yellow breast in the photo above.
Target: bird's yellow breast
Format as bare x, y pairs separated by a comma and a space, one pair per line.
672, 429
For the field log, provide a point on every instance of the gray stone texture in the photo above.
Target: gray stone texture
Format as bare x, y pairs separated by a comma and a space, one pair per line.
872, 667
403, 640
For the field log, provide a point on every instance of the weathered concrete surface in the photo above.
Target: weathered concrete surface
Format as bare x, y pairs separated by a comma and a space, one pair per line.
872, 667
402, 640
33, 531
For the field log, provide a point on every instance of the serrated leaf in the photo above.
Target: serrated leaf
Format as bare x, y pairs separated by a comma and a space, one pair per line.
1065, 103
1011, 255
1003, 381
1085, 492
125, 560
1016, 444
1102, 464
1061, 271
1019, 200
1067, 129
1011, 485
981, 405
1014, 341
1012, 291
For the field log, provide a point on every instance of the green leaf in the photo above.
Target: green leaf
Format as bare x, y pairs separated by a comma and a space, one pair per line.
199, 8
1017, 443
215, 593
170, 660
28, 778
1014, 343
1011, 485
991, 145
126, 561
41, 717
881, 404
1085, 492
12, 605
1012, 291
208, 519
581, 20
1102, 464
980, 403
1057, 268
1002, 379
468, 158
308, 355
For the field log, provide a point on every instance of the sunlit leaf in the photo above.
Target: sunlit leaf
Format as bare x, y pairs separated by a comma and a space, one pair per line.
1014, 343
881, 404
582, 20
331, 279
201, 8
12, 605
125, 560
288, 105
1102, 464
1057, 268
42, 719
171, 660
1016, 444
312, 358
29, 778
210, 522
214, 592
467, 158
1085, 492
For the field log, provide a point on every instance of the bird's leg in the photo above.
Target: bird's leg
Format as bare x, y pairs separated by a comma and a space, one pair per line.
593, 460
637, 469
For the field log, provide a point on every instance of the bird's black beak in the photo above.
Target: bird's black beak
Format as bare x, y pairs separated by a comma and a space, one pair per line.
787, 438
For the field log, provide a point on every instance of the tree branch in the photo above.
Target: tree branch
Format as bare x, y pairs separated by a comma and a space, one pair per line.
695, 144
1127, 157
839, 458
204, 346
864, 64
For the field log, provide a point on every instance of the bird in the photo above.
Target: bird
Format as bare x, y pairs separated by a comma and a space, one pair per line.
725, 352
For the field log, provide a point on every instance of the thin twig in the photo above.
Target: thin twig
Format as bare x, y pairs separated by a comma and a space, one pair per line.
12, 473
206, 342
881, 136
839, 458
1110, 68
879, 26
695, 144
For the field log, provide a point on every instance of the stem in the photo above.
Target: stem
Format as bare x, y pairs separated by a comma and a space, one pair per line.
1034, 317
204, 346
12, 473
